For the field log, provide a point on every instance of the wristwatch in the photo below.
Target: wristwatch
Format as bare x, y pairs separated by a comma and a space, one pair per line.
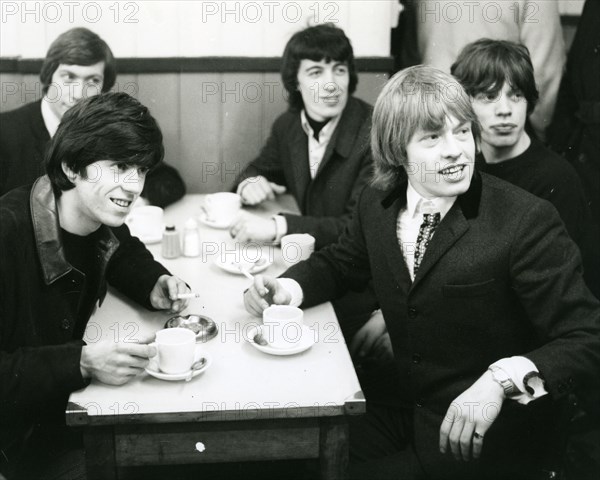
502, 378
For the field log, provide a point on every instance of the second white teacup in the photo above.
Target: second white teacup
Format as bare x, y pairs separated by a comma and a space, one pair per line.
222, 207
283, 325
176, 348
146, 223
297, 247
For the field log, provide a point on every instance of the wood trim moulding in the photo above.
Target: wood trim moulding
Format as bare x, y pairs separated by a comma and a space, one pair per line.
193, 64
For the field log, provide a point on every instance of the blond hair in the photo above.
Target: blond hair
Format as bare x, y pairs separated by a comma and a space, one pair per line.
417, 98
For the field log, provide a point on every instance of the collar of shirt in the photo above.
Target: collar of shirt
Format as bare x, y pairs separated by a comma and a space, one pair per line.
316, 148
50, 119
410, 219
326, 132
417, 205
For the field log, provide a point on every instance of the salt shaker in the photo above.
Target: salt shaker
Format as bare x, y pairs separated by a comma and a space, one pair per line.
191, 239
171, 243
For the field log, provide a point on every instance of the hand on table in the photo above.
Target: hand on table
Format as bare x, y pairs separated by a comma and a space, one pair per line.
115, 363
264, 292
256, 190
470, 416
164, 294
373, 341
252, 228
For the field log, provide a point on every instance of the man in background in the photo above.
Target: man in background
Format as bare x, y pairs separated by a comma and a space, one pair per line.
444, 28
498, 76
78, 64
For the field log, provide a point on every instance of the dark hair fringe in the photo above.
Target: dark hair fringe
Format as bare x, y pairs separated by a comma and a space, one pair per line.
321, 42
109, 126
79, 46
485, 65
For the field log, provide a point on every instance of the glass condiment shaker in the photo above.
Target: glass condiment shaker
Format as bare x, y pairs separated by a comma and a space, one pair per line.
171, 243
191, 239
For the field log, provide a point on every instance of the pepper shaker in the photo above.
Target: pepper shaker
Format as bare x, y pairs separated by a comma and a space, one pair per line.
171, 243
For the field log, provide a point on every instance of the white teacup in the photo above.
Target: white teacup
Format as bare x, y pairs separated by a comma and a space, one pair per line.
176, 348
146, 223
282, 326
297, 247
223, 207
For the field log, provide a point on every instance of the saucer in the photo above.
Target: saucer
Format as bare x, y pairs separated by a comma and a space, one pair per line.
234, 267
305, 343
152, 368
204, 219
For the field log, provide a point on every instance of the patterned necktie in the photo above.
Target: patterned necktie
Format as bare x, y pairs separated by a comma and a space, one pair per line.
426, 230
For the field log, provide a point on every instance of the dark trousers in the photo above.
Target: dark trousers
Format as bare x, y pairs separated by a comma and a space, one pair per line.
397, 443
49, 452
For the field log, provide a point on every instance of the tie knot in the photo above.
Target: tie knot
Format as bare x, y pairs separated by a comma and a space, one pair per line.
431, 219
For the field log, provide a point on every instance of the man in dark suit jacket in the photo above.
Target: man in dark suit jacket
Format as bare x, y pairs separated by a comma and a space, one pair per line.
78, 64
490, 320
318, 150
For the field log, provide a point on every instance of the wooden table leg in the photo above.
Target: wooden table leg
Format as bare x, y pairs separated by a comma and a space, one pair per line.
333, 448
99, 443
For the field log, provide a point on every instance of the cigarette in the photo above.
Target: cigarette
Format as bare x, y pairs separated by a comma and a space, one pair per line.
181, 296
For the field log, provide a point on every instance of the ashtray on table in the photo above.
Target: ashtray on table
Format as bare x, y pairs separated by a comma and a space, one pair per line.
204, 327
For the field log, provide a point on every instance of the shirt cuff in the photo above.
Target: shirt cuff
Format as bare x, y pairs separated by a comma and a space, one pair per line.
280, 226
295, 290
517, 368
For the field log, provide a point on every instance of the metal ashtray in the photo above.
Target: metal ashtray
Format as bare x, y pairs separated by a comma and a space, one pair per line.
205, 328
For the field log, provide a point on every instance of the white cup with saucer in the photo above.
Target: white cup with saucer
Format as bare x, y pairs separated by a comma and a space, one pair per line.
146, 223
176, 349
222, 208
283, 326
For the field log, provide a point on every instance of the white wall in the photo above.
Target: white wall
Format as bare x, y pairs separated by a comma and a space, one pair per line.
192, 28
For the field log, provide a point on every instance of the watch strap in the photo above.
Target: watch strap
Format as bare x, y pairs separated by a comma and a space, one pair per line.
502, 378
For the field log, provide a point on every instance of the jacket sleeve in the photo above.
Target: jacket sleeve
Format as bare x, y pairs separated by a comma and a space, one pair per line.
327, 230
546, 272
268, 163
132, 269
331, 272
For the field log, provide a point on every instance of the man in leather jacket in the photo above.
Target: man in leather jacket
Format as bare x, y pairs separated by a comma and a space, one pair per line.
61, 241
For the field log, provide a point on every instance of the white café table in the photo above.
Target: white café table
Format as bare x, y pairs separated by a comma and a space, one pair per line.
247, 405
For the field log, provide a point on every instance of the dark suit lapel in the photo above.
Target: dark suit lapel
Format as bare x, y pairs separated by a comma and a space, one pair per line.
344, 136
299, 161
454, 225
38, 129
389, 238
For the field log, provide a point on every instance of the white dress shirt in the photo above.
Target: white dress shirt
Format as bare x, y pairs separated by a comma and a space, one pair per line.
50, 119
316, 148
316, 152
411, 218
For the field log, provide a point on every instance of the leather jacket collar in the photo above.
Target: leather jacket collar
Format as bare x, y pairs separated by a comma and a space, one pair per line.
46, 228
